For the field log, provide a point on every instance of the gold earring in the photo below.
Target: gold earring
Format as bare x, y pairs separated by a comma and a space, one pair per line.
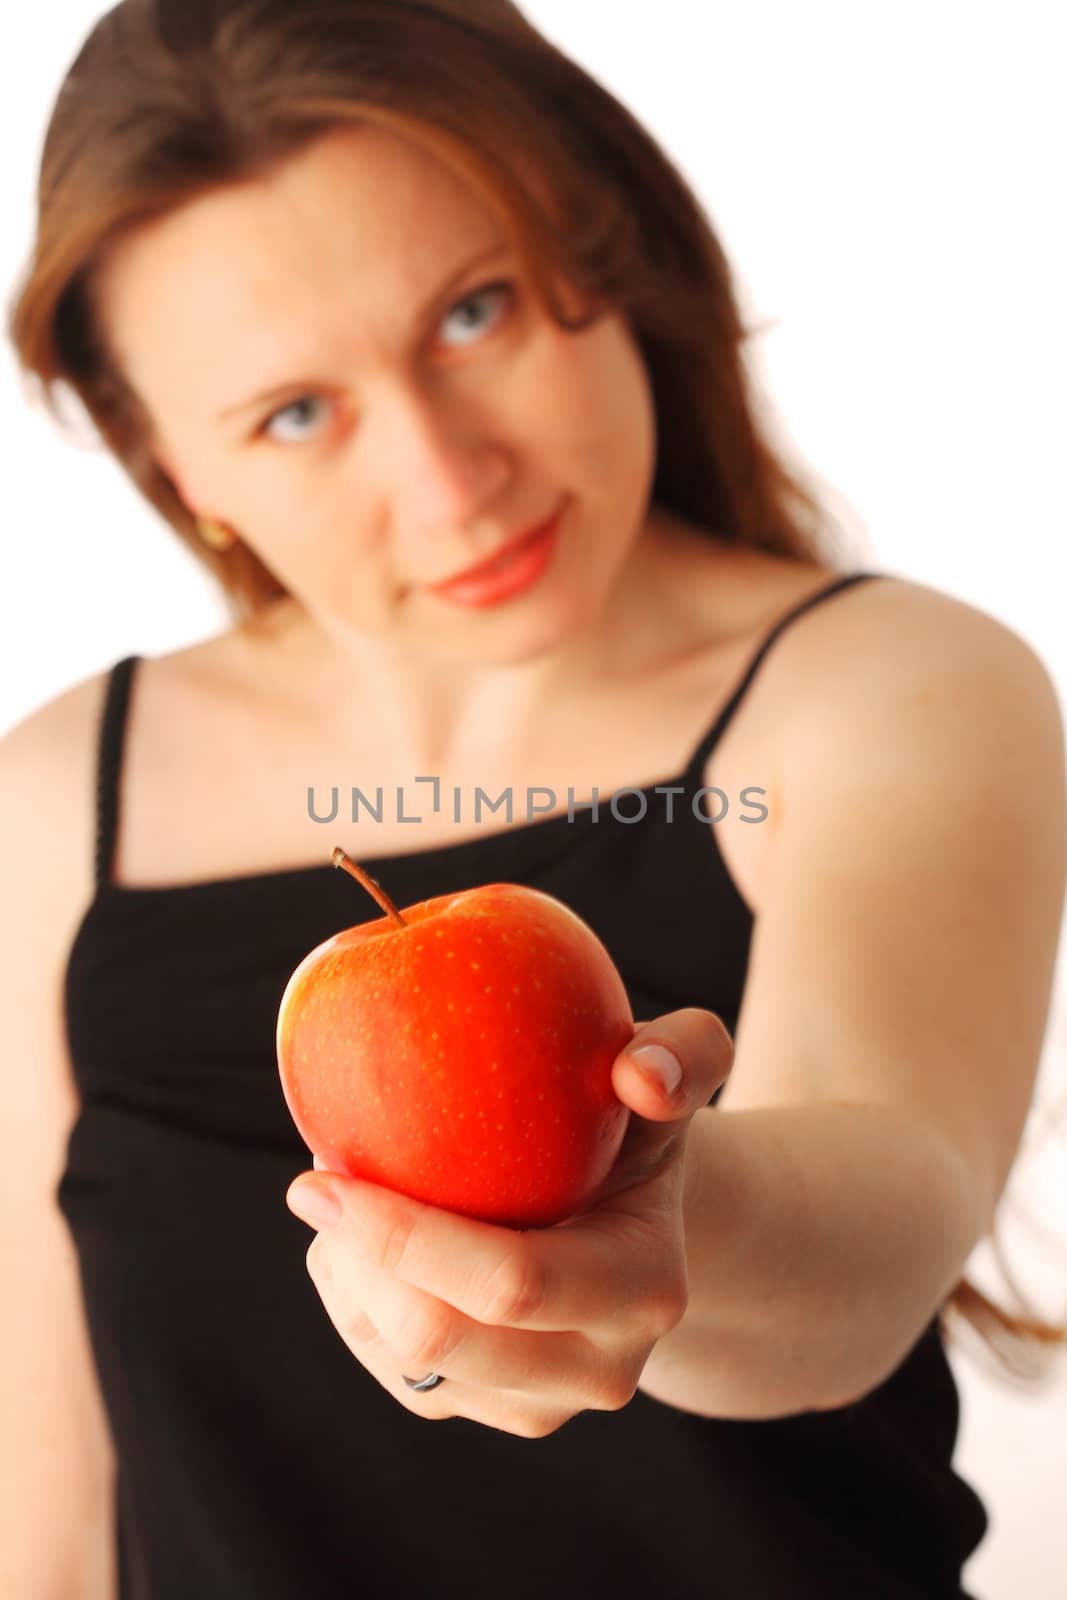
215, 534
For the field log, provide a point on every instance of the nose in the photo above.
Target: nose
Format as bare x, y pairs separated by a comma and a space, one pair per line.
442, 469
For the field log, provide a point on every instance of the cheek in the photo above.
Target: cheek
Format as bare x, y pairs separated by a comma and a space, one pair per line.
303, 505
317, 543
593, 398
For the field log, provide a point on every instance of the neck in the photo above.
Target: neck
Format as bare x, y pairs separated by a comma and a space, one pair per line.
433, 712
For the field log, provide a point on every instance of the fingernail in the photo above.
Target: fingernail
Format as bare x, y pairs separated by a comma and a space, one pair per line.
314, 1203
659, 1065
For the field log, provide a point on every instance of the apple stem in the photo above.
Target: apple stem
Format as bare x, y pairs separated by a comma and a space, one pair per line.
340, 859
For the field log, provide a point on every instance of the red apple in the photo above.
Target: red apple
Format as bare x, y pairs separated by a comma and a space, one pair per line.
460, 1052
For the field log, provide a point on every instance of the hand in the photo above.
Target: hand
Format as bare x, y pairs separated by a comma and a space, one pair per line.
530, 1327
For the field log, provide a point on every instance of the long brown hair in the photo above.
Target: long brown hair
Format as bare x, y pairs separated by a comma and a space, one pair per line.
170, 98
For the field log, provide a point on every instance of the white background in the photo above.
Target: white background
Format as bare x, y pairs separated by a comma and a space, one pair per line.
887, 179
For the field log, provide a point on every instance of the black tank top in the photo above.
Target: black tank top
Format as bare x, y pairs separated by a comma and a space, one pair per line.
257, 1459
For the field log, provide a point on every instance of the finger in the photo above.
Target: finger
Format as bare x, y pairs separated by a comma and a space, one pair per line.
393, 1328
648, 1172
696, 1042
589, 1279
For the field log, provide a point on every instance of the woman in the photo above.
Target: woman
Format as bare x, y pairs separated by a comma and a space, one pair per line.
361, 297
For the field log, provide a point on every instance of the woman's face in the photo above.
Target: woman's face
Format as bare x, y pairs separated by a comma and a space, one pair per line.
345, 363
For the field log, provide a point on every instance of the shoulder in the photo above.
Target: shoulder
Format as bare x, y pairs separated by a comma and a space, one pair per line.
918, 715
48, 778
916, 655
883, 694
56, 740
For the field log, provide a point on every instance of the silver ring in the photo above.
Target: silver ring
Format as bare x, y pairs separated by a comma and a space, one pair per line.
431, 1380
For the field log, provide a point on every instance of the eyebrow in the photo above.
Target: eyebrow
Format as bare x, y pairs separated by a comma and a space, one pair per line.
439, 296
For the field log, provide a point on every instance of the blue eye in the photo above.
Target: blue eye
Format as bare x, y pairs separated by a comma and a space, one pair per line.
295, 405
492, 292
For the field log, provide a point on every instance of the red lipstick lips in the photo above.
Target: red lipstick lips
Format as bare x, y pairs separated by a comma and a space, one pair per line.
512, 569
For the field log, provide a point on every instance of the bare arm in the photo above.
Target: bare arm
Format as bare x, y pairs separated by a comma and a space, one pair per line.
849, 1225
56, 1468
892, 1023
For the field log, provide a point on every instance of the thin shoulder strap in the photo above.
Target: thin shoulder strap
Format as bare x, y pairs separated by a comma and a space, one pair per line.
718, 728
109, 764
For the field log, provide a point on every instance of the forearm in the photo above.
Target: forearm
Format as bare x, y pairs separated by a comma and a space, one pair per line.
821, 1240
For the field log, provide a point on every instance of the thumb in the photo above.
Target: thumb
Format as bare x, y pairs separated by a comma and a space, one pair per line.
673, 1065
701, 1051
